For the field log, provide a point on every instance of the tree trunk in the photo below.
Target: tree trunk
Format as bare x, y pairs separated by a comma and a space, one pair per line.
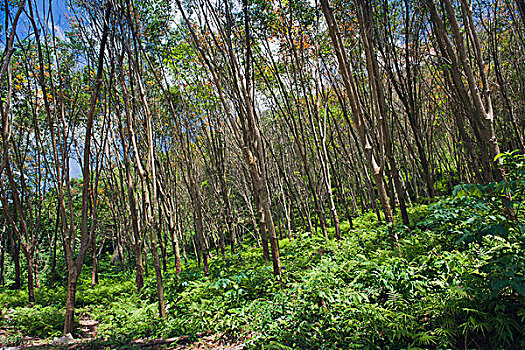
30, 279
72, 278
222, 243
94, 264
158, 276
35, 269
54, 251
15, 256
262, 226
2, 259
139, 268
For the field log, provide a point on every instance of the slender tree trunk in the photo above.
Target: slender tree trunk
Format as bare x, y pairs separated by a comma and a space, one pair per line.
54, 250
176, 245
2, 257
139, 268
30, 279
158, 275
262, 227
36, 265
178, 267
16, 261
163, 248
94, 263
222, 243
72, 278
199, 224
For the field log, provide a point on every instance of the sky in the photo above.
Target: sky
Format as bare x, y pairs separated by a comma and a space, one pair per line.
59, 7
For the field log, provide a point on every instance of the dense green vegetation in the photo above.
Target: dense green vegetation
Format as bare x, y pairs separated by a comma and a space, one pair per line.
280, 173
455, 280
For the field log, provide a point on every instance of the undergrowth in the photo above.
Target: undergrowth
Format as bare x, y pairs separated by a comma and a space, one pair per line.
456, 279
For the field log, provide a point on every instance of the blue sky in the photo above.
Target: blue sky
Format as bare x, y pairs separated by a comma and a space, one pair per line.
59, 7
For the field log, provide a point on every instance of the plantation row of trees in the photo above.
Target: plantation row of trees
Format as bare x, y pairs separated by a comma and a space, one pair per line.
199, 125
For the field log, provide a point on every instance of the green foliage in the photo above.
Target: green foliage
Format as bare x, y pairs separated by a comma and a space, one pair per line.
485, 220
50, 296
104, 293
38, 321
13, 298
455, 280
129, 318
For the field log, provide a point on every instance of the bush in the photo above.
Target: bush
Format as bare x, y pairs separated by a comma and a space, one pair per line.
37, 321
50, 296
130, 317
13, 298
104, 293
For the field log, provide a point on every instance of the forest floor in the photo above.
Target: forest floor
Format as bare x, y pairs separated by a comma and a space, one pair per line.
455, 279
87, 339
210, 342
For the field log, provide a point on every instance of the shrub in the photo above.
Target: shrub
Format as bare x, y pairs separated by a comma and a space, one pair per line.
105, 292
13, 298
130, 317
37, 321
